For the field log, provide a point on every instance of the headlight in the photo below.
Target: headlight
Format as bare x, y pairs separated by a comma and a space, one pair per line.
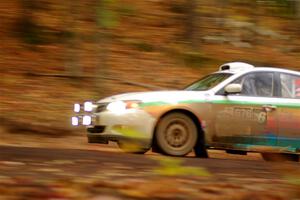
120, 107
88, 106
76, 107
86, 120
116, 107
75, 121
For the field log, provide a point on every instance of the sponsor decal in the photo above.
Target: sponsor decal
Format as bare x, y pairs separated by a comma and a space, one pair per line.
244, 114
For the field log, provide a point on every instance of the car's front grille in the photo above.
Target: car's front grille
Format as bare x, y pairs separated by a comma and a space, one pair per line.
101, 107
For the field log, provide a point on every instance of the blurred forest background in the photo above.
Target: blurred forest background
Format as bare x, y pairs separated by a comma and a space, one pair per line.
56, 53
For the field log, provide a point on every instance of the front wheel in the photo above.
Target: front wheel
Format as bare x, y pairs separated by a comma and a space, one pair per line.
176, 134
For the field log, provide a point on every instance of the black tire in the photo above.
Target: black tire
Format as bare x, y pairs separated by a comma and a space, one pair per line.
176, 134
279, 157
131, 147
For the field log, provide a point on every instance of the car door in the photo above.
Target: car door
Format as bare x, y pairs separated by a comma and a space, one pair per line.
248, 118
289, 112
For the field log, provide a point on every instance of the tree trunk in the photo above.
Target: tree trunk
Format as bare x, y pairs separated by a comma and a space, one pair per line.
72, 65
298, 12
222, 15
102, 49
191, 22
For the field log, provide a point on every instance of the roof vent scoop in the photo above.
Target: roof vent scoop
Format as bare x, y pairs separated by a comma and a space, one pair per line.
235, 66
225, 67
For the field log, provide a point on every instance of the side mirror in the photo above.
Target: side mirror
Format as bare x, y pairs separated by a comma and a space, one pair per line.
233, 88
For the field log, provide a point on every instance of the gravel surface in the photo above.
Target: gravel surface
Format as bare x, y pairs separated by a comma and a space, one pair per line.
106, 173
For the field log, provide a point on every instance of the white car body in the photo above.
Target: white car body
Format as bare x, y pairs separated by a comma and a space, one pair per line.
227, 121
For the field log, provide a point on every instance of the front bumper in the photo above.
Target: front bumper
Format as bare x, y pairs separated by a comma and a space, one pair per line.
132, 125
104, 139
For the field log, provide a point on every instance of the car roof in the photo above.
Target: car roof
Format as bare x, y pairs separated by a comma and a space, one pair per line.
275, 69
241, 67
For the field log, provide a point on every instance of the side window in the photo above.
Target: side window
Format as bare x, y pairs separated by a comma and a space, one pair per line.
257, 84
290, 86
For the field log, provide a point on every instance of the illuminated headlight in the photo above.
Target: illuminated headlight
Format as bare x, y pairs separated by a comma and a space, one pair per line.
120, 107
76, 107
87, 120
75, 121
88, 106
116, 107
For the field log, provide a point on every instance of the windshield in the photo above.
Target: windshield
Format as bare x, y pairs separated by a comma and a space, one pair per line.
208, 82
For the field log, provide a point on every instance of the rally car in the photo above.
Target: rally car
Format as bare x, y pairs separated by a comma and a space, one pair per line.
240, 108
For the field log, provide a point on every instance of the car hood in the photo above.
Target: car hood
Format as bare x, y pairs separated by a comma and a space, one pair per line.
164, 96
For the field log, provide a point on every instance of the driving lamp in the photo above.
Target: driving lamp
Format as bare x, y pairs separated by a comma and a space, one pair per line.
87, 120
88, 106
76, 107
75, 121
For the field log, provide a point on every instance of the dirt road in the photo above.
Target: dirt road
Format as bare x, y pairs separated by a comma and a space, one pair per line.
48, 173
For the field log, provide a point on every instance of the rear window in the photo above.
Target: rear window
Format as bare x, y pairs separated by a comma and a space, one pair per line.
290, 86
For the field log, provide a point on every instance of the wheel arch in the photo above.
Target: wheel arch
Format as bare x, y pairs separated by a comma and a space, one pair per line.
196, 120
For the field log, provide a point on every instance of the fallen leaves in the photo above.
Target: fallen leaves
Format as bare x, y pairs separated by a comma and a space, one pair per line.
60, 162
49, 170
11, 163
173, 167
169, 178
